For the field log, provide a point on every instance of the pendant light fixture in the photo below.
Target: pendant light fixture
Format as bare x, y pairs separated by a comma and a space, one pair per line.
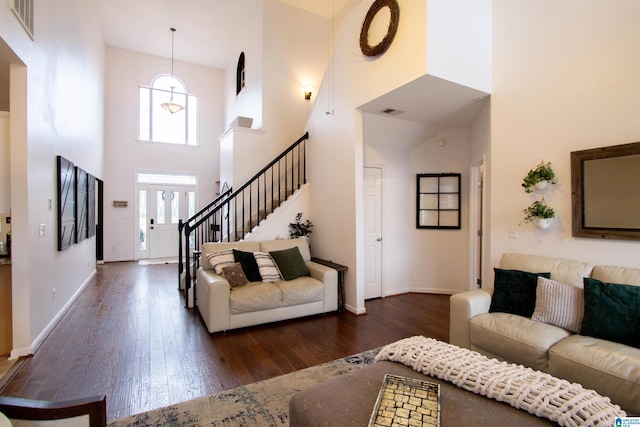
171, 106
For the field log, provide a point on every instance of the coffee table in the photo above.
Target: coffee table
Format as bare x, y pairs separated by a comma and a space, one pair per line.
348, 400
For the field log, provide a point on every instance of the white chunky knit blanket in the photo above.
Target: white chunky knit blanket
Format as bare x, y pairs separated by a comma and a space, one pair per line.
540, 394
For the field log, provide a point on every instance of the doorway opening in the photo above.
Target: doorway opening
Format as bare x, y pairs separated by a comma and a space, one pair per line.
161, 201
476, 223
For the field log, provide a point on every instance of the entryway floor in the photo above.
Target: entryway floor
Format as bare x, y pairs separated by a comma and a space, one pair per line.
154, 261
5, 367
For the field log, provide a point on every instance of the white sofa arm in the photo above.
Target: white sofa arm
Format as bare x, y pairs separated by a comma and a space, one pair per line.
464, 306
212, 293
329, 277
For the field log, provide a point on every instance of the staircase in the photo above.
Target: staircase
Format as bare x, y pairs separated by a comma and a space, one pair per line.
236, 213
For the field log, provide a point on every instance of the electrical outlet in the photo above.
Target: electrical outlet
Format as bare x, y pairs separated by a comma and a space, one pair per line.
513, 232
41, 230
53, 292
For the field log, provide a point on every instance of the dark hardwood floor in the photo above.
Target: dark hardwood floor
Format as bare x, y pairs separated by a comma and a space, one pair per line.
129, 336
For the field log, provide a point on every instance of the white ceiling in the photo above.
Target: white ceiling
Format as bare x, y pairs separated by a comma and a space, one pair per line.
205, 29
435, 103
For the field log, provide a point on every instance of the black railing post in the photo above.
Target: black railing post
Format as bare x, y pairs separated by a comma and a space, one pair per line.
187, 271
180, 265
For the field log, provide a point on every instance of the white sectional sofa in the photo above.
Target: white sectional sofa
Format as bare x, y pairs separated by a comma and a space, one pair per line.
266, 299
587, 332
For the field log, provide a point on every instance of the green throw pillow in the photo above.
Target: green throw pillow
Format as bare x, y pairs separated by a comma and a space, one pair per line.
514, 292
249, 265
611, 312
290, 263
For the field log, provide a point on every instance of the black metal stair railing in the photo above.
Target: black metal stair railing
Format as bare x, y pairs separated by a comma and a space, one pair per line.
235, 213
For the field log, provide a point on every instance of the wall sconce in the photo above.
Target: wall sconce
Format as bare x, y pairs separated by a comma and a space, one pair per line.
307, 92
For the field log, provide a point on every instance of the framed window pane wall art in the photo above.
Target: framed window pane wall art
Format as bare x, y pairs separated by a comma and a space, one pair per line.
438, 201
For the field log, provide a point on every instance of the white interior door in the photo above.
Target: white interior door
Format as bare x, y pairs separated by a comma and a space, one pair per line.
373, 232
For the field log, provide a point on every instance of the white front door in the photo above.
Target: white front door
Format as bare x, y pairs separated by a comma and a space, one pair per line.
373, 232
159, 209
166, 208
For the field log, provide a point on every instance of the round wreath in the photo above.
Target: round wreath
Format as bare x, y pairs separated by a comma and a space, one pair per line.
381, 47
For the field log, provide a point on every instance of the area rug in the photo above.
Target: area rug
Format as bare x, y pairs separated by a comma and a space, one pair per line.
265, 403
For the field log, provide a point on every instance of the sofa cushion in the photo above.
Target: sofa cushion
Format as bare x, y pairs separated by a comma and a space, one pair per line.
514, 292
268, 270
610, 274
234, 275
562, 270
515, 338
559, 304
249, 265
254, 296
610, 368
611, 312
290, 263
301, 290
219, 260
279, 244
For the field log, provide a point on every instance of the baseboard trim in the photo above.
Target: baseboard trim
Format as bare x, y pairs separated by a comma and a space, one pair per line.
354, 310
37, 342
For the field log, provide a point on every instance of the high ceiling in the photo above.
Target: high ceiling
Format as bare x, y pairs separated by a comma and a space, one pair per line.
204, 28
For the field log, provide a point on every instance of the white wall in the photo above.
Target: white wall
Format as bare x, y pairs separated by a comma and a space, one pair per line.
459, 42
5, 165
124, 155
249, 102
439, 258
459, 52
564, 79
56, 109
296, 54
285, 50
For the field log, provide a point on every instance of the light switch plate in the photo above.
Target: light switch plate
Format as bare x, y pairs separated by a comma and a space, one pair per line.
41, 230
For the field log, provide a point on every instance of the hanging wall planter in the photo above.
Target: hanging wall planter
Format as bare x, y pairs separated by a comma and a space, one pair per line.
542, 223
539, 213
539, 177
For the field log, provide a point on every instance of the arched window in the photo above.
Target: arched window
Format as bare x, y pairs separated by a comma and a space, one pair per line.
158, 124
240, 74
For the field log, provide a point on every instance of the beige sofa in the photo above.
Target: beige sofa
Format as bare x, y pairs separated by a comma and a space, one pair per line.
223, 308
610, 368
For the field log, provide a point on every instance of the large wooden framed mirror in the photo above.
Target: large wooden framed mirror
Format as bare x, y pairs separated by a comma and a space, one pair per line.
605, 188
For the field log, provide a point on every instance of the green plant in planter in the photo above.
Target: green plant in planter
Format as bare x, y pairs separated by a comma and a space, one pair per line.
299, 228
542, 172
538, 209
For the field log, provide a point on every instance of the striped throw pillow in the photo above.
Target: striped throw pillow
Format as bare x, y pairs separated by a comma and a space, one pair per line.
559, 304
221, 259
267, 267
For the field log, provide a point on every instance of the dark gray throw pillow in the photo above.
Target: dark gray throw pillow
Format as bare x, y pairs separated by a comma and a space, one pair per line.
611, 312
514, 292
249, 265
290, 263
